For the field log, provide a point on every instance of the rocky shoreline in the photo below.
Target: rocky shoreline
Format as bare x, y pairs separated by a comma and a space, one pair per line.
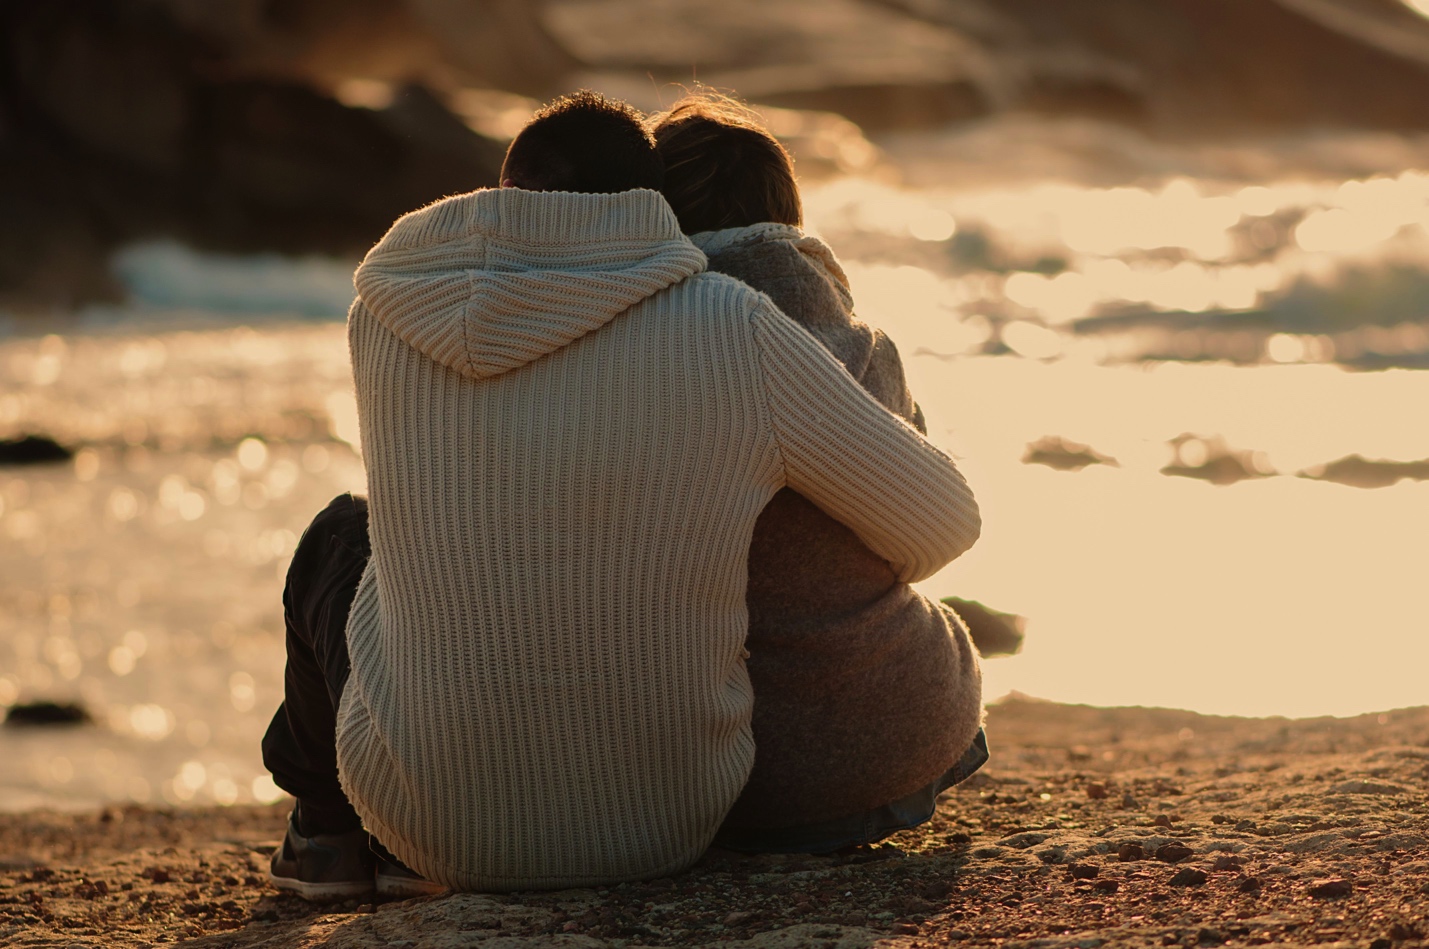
1090, 828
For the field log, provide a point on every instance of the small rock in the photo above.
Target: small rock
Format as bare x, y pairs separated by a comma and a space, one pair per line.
157, 875
1128, 802
1106, 886
1226, 862
1128, 852
738, 916
1249, 885
1220, 819
88, 890
1025, 839
993, 632
1209, 937
32, 450
1097, 792
47, 713
1366, 787
1329, 889
1172, 852
1188, 876
1404, 931
1245, 826
1082, 871
1381, 943
1162, 820
906, 929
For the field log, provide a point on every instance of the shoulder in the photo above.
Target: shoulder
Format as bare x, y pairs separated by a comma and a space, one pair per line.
766, 260
713, 294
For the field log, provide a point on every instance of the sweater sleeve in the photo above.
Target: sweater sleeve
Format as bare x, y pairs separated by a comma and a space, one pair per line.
857, 461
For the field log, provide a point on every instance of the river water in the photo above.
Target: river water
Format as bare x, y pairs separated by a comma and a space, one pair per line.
1190, 335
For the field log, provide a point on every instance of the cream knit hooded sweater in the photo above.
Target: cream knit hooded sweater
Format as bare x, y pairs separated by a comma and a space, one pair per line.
569, 432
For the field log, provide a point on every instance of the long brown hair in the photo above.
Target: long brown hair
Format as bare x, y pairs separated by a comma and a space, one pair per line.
722, 167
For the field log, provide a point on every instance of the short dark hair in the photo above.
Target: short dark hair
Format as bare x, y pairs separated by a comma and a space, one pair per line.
722, 167
584, 142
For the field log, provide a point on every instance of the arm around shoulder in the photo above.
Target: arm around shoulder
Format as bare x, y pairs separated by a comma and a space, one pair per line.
852, 457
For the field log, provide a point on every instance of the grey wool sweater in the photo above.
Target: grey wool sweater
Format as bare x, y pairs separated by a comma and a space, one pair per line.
864, 691
570, 430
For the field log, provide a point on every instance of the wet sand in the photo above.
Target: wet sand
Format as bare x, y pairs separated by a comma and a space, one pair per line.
1091, 827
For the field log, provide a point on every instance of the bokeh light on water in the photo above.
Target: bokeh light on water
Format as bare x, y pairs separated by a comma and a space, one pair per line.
1168, 328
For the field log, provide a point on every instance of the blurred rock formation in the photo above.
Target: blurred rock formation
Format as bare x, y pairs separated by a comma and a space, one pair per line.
225, 123
119, 122
1174, 67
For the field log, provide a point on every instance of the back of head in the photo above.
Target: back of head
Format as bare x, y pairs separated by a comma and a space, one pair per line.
587, 143
722, 167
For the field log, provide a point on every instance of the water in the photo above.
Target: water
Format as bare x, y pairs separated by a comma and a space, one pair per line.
144, 578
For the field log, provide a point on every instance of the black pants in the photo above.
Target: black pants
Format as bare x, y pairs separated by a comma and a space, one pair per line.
300, 748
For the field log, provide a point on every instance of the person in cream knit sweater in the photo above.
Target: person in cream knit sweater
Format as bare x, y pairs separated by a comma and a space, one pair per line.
570, 429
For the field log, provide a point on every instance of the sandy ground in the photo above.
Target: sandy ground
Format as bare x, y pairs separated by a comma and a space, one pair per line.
1091, 827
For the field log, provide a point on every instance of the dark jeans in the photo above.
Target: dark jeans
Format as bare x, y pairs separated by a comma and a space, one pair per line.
300, 747
830, 835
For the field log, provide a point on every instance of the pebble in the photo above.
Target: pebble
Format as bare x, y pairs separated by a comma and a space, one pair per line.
738, 916
1083, 871
1249, 885
1097, 792
1129, 852
1226, 862
1128, 802
1172, 852
1106, 886
1329, 889
1188, 876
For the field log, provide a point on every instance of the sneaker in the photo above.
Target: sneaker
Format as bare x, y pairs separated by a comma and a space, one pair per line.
324, 868
395, 880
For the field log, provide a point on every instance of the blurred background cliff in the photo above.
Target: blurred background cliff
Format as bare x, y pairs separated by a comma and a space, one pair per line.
1158, 271
308, 125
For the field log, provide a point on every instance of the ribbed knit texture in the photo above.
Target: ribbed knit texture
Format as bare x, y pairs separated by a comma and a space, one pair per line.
569, 433
864, 691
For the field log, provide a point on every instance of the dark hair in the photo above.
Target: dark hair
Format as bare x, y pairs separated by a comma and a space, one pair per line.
584, 142
722, 167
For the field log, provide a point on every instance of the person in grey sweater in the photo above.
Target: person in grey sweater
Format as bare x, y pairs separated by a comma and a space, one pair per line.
868, 696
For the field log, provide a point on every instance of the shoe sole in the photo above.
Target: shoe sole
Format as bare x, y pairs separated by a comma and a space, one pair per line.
402, 888
321, 892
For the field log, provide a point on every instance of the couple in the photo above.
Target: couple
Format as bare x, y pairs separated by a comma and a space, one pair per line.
644, 501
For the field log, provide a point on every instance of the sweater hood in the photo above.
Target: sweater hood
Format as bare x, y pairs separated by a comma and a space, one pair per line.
814, 251
488, 281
